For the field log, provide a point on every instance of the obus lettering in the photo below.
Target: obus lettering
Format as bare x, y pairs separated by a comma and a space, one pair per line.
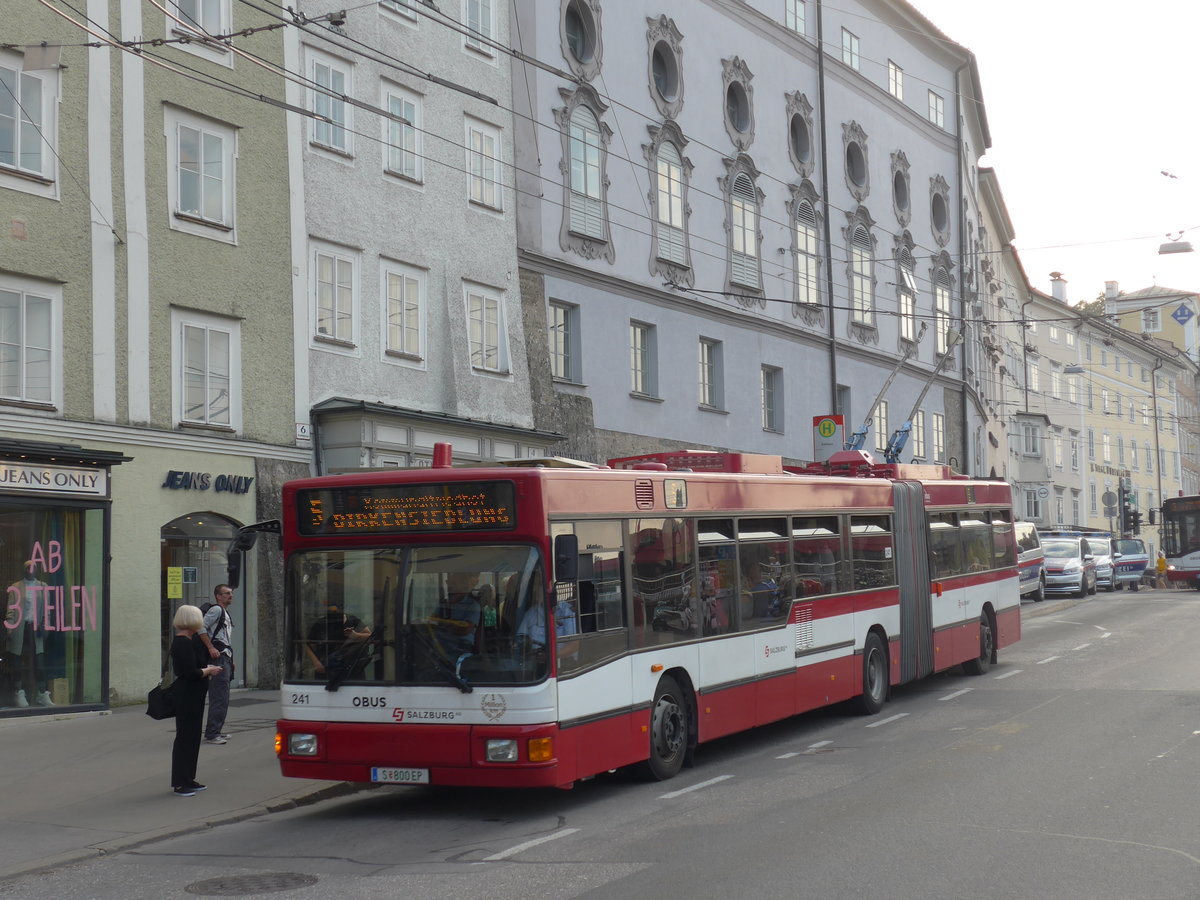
368, 702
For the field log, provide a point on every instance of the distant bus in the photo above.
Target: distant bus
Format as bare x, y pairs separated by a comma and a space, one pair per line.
538, 624
1181, 539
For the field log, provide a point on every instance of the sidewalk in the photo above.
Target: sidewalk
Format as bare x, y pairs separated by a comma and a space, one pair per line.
81, 785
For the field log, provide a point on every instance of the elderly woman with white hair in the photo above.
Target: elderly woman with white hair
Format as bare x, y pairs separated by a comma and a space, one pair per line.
189, 661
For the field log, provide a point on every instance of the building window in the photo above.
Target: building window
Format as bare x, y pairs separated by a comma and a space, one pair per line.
402, 8
1052, 333
1149, 457
907, 289
937, 110
486, 330
1074, 452
331, 124
895, 80
336, 294
642, 359
862, 277
1092, 499
1120, 450
808, 260
772, 399
201, 155
404, 137
1075, 511
1033, 505
405, 292
850, 49
481, 25
794, 15
1151, 320
671, 238
711, 377
744, 233
939, 437
1091, 445
1055, 382
563, 323
1031, 444
587, 199
1133, 455
1070, 337
1033, 376
483, 164
942, 309
917, 434
208, 380
30, 331
1106, 447
28, 100
881, 425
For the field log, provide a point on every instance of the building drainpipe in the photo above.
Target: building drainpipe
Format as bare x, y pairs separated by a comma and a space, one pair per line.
833, 375
962, 257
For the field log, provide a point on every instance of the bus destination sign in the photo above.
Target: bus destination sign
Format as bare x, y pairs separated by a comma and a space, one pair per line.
408, 508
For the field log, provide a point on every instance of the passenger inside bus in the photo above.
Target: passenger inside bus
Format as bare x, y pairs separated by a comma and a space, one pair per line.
460, 613
333, 634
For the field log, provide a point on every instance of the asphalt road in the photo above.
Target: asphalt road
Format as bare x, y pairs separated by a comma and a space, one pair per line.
1068, 771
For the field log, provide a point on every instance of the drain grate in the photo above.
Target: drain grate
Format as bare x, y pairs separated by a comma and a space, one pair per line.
244, 885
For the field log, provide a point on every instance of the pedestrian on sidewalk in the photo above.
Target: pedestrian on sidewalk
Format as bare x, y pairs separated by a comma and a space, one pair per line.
188, 660
1160, 570
217, 638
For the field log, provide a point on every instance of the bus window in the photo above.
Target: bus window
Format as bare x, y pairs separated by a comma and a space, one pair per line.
871, 551
976, 535
663, 568
945, 548
764, 565
1004, 540
718, 586
820, 565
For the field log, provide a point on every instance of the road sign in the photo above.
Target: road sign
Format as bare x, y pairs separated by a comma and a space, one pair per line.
1108, 498
828, 436
1183, 314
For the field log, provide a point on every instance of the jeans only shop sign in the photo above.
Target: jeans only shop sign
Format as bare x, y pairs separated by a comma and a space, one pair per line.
204, 481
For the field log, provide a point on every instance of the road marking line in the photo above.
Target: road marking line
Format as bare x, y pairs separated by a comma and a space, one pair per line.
888, 720
789, 755
1042, 662
520, 848
955, 694
695, 787
1010, 674
1080, 647
819, 744
1106, 634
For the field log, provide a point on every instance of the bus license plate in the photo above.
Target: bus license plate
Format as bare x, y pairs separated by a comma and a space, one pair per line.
399, 776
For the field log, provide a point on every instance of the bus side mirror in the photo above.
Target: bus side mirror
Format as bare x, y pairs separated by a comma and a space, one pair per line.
245, 539
566, 558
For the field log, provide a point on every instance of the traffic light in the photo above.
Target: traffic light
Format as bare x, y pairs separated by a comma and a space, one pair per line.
1135, 524
1125, 507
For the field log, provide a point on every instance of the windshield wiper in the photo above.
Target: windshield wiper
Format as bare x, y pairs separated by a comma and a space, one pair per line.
341, 665
435, 655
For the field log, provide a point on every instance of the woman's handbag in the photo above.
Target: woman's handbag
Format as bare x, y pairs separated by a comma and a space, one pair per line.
160, 702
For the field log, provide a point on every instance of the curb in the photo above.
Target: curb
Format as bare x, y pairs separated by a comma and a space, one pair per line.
294, 800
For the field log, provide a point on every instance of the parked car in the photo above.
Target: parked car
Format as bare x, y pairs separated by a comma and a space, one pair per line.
1030, 561
1102, 552
1130, 559
1070, 565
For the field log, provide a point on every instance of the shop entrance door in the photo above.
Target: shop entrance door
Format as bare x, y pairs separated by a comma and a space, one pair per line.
193, 563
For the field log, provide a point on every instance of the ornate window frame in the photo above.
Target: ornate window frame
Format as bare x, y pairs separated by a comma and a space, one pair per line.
901, 189
587, 246
583, 69
735, 73
853, 136
902, 252
940, 190
798, 108
735, 169
676, 271
862, 326
662, 30
804, 196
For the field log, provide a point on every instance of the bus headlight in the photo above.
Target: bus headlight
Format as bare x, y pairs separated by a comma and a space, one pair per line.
501, 751
302, 744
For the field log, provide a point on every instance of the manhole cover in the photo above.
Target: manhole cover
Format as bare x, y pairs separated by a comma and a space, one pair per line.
242, 885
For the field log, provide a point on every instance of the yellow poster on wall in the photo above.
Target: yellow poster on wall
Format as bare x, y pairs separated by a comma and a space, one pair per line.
174, 582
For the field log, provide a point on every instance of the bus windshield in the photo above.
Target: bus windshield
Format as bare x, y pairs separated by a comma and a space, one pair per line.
453, 615
1181, 531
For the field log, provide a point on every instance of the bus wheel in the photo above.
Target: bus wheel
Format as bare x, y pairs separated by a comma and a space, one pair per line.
987, 646
668, 731
875, 676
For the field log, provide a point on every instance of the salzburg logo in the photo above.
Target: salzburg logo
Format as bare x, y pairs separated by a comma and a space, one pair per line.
398, 714
493, 706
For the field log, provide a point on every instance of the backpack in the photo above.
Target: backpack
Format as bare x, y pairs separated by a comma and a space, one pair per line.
204, 608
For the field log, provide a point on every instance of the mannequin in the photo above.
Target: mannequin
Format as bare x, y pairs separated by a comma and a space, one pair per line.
26, 642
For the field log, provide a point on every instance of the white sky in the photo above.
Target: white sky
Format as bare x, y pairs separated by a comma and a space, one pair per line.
1087, 103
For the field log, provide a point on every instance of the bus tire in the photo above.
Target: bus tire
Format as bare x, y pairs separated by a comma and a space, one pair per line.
987, 647
874, 676
668, 731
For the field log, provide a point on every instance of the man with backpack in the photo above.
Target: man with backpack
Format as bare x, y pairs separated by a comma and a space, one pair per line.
217, 636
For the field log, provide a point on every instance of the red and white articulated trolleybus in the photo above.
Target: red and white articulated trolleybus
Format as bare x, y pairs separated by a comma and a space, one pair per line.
535, 625
1181, 539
